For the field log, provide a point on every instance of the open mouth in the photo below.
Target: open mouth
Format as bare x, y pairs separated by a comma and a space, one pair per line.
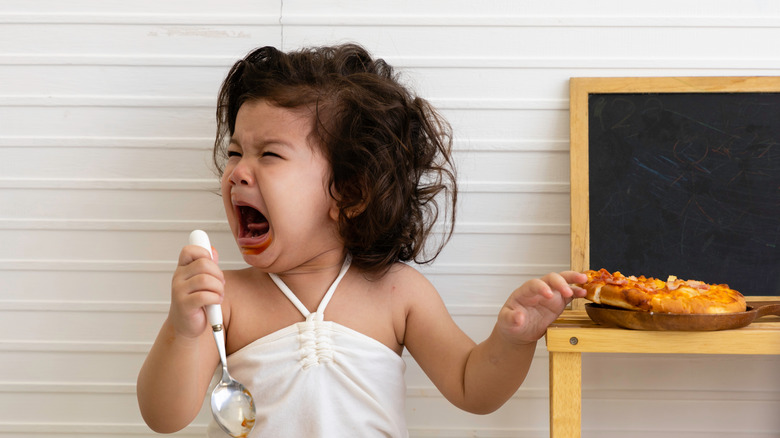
254, 234
254, 225
254, 231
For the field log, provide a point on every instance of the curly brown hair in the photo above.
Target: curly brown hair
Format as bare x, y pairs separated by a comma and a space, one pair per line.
390, 151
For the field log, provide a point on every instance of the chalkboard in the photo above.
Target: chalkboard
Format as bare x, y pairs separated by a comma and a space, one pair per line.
686, 183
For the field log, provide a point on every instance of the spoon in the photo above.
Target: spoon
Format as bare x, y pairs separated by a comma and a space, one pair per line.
231, 403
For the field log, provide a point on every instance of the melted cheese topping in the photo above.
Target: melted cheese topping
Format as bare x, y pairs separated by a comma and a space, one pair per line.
673, 295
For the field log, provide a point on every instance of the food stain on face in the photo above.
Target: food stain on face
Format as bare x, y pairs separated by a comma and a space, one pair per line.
256, 249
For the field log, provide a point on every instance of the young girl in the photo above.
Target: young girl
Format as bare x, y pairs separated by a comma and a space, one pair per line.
332, 175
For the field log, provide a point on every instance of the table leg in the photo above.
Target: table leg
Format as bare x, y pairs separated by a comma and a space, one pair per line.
565, 394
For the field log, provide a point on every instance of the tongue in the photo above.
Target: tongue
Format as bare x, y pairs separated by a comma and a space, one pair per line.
256, 223
257, 229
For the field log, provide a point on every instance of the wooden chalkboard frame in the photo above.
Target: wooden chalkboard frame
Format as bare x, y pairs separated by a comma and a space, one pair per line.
580, 90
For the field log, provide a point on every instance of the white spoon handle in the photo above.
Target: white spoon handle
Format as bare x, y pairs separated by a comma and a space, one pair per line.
213, 311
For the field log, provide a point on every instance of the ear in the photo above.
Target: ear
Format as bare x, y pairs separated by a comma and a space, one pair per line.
334, 210
350, 212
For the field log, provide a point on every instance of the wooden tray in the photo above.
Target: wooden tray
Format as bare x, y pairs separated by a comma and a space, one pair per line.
639, 320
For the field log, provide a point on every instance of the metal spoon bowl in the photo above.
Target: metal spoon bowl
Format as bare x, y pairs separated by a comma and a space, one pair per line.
231, 403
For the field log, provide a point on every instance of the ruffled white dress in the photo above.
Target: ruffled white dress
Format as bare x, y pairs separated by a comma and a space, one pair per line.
320, 379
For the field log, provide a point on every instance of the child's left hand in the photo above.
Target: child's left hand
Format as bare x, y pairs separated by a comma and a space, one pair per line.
536, 304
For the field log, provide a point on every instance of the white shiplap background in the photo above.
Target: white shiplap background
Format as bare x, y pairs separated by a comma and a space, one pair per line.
106, 121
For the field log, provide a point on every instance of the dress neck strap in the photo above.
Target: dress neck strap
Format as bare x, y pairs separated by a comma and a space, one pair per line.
325, 300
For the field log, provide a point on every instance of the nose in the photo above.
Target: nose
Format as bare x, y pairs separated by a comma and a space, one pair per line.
241, 174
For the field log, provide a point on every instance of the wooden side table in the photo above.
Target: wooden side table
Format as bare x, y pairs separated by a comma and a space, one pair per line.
574, 333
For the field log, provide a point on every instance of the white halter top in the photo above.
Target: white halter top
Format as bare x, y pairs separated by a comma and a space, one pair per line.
317, 378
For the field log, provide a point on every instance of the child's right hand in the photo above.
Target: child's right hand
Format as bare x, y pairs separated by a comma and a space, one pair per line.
197, 282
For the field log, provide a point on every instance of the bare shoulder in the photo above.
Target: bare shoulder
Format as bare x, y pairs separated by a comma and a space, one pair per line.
235, 285
249, 310
409, 286
415, 299
241, 284
408, 279
379, 307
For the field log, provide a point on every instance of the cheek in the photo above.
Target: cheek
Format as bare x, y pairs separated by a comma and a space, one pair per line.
224, 189
319, 195
226, 201
224, 184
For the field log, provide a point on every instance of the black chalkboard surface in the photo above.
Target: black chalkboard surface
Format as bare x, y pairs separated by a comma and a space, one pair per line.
688, 184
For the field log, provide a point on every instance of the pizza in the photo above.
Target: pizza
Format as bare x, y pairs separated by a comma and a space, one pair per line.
653, 295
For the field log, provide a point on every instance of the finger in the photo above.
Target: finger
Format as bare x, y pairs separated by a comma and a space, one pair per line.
190, 253
556, 281
536, 287
199, 275
579, 292
565, 283
558, 284
198, 299
574, 277
204, 283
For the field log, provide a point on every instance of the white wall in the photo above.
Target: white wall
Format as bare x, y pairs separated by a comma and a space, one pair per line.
106, 120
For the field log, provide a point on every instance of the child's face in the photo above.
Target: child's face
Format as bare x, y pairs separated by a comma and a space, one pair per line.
275, 189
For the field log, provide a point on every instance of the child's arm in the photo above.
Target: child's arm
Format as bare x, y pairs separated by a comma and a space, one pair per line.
480, 378
175, 376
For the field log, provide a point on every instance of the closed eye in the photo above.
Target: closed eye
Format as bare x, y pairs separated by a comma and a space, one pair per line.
271, 154
231, 154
